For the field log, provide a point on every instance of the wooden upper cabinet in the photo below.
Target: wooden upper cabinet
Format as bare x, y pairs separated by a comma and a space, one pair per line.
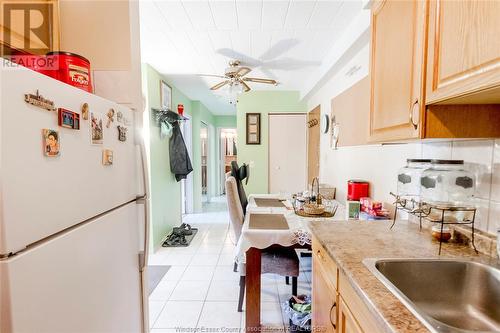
397, 59
350, 112
463, 52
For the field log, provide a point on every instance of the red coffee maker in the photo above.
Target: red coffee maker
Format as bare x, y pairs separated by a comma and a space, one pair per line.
357, 189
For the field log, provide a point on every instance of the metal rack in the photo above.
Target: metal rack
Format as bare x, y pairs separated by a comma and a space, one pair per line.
435, 214
166, 115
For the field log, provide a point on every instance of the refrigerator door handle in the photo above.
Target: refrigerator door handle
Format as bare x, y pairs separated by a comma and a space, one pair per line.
143, 255
144, 200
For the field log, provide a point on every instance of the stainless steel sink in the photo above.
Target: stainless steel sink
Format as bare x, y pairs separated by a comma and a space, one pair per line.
446, 295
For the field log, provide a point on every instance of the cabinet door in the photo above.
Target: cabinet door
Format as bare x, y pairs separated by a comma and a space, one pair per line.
350, 111
464, 50
347, 322
396, 69
324, 301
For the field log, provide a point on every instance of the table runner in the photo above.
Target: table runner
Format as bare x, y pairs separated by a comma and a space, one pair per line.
269, 202
268, 222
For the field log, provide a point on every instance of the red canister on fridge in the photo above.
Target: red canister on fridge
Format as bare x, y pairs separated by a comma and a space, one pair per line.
72, 69
357, 189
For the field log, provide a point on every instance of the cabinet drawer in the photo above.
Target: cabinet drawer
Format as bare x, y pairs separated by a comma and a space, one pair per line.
326, 263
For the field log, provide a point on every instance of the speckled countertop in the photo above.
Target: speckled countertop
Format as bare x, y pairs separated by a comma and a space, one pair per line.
350, 242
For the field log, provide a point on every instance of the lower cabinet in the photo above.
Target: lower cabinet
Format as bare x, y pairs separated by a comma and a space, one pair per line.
347, 323
324, 302
336, 308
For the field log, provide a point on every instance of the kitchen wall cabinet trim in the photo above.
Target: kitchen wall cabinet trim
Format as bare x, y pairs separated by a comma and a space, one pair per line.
454, 121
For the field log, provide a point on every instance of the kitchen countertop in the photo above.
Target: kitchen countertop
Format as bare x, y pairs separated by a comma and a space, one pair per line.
350, 242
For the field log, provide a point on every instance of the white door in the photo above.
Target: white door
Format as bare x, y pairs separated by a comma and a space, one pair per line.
287, 153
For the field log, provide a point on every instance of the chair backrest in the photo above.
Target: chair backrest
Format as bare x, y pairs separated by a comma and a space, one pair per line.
234, 206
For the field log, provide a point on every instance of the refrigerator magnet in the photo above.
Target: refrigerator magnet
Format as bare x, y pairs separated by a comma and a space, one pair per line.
39, 101
85, 111
97, 134
111, 115
119, 117
107, 157
122, 133
68, 119
51, 145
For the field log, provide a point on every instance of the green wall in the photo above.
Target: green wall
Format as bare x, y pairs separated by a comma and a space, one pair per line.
201, 114
263, 102
165, 190
225, 121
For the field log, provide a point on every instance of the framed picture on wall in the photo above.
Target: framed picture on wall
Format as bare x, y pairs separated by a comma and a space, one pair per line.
253, 128
165, 95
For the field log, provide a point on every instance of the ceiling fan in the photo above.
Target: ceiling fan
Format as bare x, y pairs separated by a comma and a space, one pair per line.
234, 76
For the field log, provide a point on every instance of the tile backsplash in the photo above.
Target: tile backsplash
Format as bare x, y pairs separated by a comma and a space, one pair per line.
379, 164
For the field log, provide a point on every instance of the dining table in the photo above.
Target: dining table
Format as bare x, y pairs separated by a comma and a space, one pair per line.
270, 220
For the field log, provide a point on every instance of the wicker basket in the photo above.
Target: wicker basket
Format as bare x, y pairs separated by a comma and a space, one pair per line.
314, 209
327, 192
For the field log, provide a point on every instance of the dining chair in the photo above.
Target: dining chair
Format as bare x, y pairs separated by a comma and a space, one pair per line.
275, 260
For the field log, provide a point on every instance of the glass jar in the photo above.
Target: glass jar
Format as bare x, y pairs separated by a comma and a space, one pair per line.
409, 177
447, 183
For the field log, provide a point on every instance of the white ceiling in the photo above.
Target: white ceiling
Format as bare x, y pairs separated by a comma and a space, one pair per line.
285, 40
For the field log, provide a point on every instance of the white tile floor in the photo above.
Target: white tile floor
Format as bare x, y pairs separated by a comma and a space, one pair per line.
200, 290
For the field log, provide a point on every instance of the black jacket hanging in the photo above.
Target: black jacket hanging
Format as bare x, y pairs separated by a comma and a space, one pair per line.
180, 163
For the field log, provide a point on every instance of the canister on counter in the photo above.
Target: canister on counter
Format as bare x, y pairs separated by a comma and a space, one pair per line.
352, 210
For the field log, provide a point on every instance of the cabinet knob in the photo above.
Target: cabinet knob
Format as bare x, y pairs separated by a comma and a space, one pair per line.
415, 114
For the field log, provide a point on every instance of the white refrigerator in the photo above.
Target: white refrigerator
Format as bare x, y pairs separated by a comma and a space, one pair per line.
72, 230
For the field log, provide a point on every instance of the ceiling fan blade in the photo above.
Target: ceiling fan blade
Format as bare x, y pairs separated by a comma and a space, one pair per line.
267, 73
289, 64
245, 86
245, 60
243, 71
254, 79
212, 75
279, 48
219, 85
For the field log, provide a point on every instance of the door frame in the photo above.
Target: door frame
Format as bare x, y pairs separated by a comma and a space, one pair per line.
204, 124
221, 173
269, 142
309, 114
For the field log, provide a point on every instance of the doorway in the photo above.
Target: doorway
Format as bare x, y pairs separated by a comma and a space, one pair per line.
204, 162
287, 148
227, 154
